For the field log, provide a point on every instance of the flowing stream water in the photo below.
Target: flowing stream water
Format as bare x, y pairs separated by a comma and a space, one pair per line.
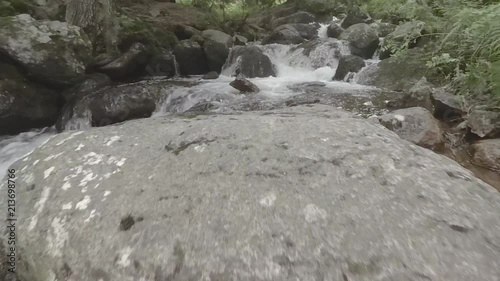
293, 68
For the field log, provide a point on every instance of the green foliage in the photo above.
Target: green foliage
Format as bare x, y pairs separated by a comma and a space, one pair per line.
467, 33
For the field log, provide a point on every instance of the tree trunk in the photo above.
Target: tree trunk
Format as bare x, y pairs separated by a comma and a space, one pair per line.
95, 16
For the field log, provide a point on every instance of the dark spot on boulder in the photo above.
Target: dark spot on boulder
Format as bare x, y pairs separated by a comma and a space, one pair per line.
127, 223
137, 265
459, 228
31, 187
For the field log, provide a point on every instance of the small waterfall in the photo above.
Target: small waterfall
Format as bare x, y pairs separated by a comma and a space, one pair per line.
176, 66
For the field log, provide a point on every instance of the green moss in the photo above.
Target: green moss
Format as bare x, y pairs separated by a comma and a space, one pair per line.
137, 30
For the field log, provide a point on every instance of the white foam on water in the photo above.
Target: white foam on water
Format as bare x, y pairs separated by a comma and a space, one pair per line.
13, 148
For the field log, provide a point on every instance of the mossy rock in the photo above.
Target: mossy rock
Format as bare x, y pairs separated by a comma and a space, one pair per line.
138, 30
14, 7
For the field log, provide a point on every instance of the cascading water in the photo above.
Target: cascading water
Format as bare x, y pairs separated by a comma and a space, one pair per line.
315, 60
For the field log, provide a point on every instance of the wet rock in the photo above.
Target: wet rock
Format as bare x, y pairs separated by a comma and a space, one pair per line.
216, 54
355, 17
486, 153
51, 52
334, 30
23, 104
418, 96
112, 105
307, 31
299, 17
398, 74
365, 179
162, 64
348, 63
383, 28
89, 85
191, 58
251, 62
239, 40
284, 34
415, 124
364, 40
211, 75
244, 85
447, 105
484, 123
129, 66
324, 51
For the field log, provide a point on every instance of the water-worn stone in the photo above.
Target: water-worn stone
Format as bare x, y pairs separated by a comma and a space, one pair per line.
162, 64
299, 17
111, 105
24, 104
89, 85
129, 66
53, 53
216, 54
218, 36
306, 31
285, 34
415, 124
418, 96
239, 40
447, 105
486, 153
383, 28
211, 75
303, 193
191, 58
364, 40
324, 51
356, 17
348, 63
250, 61
334, 30
484, 123
244, 85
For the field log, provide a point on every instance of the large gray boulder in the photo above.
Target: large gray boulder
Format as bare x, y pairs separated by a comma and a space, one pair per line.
484, 123
129, 66
348, 63
486, 153
52, 52
304, 193
364, 40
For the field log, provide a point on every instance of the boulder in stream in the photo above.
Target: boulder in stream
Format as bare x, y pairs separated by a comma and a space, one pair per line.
415, 124
348, 63
484, 123
299, 193
244, 85
191, 58
250, 61
486, 153
24, 104
334, 30
51, 52
364, 40
112, 105
285, 34
211, 75
128, 66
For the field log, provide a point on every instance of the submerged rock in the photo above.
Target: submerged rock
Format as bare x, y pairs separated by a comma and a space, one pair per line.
253, 195
348, 63
211, 75
53, 53
250, 61
415, 124
23, 104
244, 85
486, 153
484, 123
364, 40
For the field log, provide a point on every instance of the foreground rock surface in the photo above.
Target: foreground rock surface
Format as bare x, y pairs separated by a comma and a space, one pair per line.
305, 193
